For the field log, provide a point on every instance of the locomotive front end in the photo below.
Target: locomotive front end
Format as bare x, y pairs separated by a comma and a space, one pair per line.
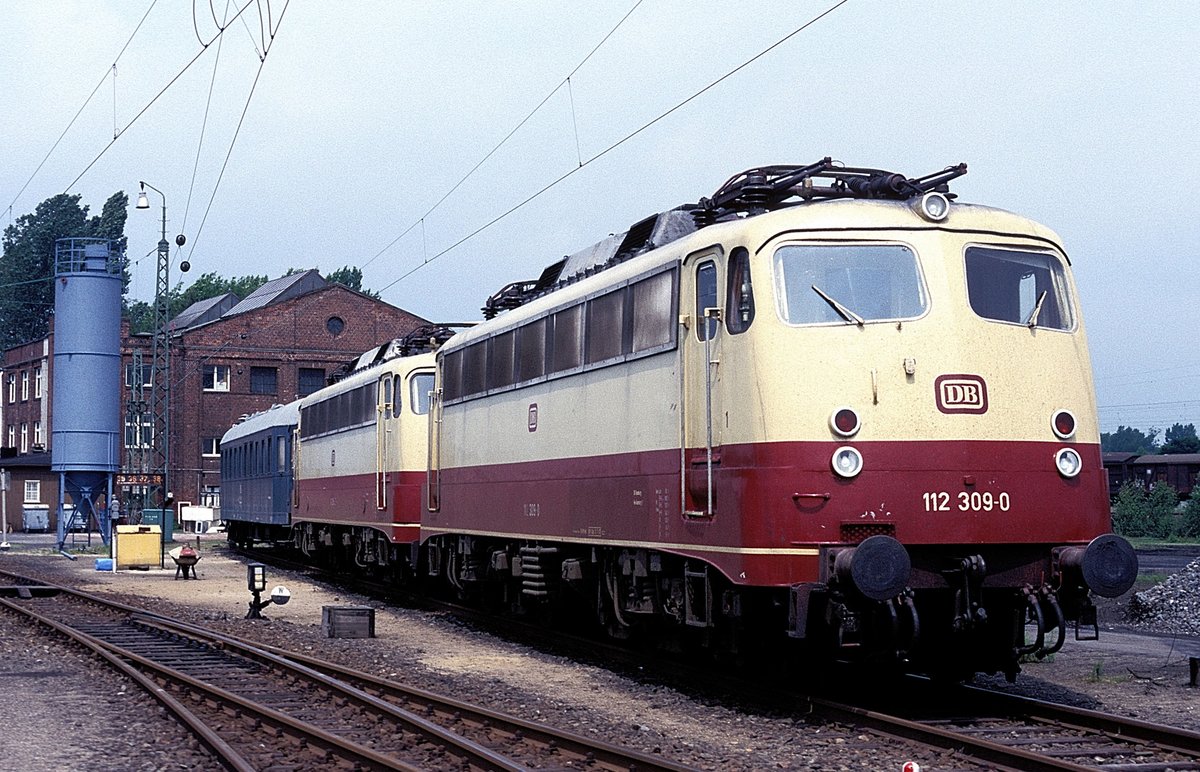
923, 416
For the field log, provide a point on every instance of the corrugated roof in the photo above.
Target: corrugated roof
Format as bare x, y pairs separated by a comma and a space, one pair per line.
204, 311
283, 288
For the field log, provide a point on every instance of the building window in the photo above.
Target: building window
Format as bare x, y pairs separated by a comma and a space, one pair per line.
37, 382
38, 440
311, 379
335, 325
24, 385
12, 436
33, 491
24, 437
12, 387
131, 375
210, 447
216, 378
263, 380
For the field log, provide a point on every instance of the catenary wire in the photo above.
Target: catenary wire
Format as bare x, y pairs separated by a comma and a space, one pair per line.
204, 123
237, 131
611, 147
154, 99
506, 138
71, 123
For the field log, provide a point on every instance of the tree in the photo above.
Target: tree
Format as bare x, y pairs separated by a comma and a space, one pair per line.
349, 276
208, 285
1181, 438
1126, 439
27, 266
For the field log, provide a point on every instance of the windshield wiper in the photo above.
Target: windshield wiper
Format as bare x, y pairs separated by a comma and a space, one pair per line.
1037, 311
845, 313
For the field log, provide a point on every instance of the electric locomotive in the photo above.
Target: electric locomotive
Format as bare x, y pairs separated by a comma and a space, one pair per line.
352, 458
827, 404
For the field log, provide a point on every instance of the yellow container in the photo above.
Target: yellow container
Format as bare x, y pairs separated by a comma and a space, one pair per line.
138, 546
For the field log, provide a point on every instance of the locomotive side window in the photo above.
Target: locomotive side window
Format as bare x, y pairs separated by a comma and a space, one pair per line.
421, 385
706, 297
532, 345
474, 368
605, 326
1021, 287
653, 311
567, 351
847, 284
635, 320
739, 308
452, 375
500, 360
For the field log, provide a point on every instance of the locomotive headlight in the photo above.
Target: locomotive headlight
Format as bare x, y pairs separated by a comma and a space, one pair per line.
844, 421
1068, 462
1063, 423
847, 461
932, 206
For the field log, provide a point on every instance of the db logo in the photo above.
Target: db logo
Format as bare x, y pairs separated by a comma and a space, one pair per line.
911, 766
961, 394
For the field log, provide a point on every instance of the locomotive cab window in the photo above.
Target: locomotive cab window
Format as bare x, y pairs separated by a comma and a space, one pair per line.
1020, 287
740, 304
706, 297
422, 386
847, 283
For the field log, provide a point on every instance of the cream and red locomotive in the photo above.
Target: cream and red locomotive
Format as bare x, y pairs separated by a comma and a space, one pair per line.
827, 404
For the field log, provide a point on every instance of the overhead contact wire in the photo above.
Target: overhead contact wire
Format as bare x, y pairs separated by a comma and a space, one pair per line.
156, 97
236, 132
84, 106
507, 136
619, 142
204, 124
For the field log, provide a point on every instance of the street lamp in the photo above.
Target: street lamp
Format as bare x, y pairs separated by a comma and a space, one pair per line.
160, 392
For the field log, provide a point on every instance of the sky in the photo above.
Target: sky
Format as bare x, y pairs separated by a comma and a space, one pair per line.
357, 134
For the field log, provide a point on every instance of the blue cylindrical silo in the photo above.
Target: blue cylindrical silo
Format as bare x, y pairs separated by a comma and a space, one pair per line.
87, 356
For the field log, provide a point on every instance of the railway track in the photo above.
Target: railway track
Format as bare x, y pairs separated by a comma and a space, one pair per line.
983, 730
993, 729
259, 708
1009, 732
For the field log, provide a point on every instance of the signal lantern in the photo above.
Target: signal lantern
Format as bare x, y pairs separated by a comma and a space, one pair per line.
845, 422
1063, 423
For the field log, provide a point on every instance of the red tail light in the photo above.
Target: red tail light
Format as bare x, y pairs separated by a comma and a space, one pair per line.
845, 422
1063, 423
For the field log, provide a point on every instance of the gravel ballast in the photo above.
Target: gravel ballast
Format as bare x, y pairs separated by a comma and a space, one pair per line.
1121, 673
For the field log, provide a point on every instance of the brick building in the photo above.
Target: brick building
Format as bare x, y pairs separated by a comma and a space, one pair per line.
25, 431
229, 358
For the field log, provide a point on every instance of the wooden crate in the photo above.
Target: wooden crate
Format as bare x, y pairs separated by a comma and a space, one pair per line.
348, 621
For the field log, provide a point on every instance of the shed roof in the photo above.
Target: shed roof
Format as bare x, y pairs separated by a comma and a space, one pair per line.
283, 288
204, 311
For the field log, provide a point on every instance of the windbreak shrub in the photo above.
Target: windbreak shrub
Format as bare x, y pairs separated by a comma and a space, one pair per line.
1141, 513
1189, 526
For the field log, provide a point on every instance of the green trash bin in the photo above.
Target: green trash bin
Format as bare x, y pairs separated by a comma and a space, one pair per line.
164, 518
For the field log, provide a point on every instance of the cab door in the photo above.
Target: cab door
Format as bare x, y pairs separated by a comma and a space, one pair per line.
701, 338
383, 428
